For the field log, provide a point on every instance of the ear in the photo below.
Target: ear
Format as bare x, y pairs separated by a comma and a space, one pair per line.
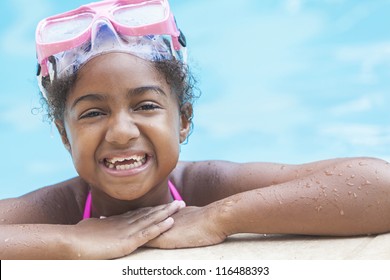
185, 121
61, 129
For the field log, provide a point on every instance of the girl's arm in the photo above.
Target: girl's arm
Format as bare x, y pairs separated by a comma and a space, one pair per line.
346, 197
335, 197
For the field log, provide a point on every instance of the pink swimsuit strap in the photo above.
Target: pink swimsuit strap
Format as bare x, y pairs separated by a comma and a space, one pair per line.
88, 203
175, 194
88, 206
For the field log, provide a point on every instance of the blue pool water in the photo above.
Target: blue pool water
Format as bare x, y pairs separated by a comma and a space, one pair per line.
286, 81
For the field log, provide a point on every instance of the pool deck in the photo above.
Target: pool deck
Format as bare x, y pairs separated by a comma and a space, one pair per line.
279, 247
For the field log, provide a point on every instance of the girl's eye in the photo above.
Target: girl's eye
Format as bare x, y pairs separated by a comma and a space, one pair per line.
148, 107
91, 114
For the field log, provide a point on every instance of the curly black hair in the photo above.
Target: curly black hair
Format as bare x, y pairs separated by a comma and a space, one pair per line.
176, 73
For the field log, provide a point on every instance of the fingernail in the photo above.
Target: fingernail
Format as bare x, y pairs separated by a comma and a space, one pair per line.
180, 203
168, 221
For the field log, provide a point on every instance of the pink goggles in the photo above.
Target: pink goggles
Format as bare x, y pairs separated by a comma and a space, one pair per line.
141, 19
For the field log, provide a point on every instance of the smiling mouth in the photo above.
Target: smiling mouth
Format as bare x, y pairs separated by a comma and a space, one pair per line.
125, 163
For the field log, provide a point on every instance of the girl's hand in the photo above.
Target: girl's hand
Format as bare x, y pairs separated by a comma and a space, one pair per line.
117, 236
194, 227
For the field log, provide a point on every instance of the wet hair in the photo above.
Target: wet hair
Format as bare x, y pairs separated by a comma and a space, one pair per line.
176, 74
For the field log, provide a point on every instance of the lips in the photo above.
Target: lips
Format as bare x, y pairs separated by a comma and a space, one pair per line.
125, 162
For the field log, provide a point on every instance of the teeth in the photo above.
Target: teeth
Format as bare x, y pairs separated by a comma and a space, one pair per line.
117, 159
114, 163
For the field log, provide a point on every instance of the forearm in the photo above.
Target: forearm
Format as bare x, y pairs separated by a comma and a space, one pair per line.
349, 198
35, 242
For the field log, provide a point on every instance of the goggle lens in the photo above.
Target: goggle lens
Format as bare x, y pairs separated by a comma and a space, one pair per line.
133, 16
66, 28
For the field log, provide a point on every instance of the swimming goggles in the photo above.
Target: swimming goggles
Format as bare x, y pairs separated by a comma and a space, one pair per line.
145, 28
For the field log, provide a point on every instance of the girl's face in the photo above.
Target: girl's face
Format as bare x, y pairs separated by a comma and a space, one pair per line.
123, 126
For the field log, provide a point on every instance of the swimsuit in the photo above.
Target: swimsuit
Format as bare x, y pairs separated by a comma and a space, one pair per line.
88, 203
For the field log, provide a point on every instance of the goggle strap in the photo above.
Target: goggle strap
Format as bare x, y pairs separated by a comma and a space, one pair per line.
182, 39
39, 69
53, 69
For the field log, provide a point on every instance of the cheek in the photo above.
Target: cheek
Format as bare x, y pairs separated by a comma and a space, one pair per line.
82, 143
166, 137
172, 127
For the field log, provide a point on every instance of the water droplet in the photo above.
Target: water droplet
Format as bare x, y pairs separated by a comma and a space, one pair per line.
228, 203
349, 193
351, 184
366, 183
341, 212
328, 173
362, 163
319, 208
354, 195
349, 165
335, 190
340, 174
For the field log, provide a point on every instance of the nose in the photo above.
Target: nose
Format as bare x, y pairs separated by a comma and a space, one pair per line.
122, 129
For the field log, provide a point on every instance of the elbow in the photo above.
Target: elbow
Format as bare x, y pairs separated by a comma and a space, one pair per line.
373, 175
373, 170
367, 173
370, 189
377, 169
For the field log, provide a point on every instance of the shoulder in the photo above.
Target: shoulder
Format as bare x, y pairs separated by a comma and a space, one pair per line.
205, 181
61, 203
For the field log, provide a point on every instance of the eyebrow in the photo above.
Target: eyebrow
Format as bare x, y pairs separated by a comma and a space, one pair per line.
143, 90
89, 97
132, 92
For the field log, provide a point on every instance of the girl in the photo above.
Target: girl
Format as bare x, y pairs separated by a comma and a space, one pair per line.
116, 83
